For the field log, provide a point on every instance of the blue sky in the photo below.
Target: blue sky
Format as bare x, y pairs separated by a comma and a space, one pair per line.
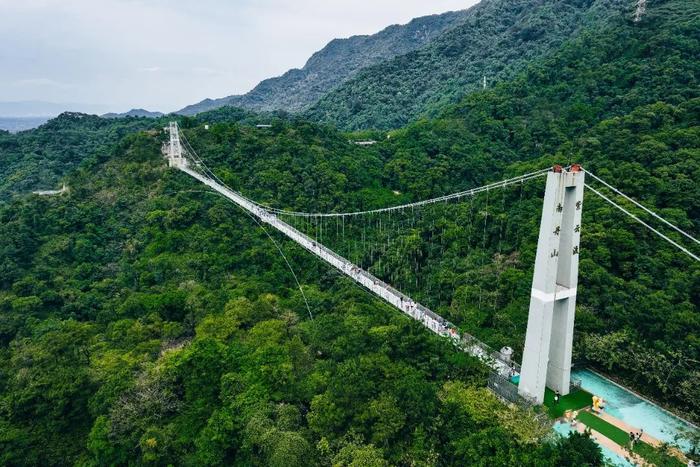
165, 54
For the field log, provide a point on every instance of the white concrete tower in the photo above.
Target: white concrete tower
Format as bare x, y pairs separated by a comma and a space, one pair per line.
640, 9
175, 157
550, 325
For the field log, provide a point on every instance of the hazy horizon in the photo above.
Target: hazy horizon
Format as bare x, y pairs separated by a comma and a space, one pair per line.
115, 55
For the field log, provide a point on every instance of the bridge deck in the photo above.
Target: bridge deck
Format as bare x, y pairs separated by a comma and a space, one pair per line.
405, 304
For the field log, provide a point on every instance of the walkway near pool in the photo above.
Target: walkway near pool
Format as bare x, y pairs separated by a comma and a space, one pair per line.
612, 446
634, 410
607, 430
646, 437
619, 435
624, 412
580, 402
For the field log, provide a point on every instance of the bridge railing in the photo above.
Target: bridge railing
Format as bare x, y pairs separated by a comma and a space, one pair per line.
503, 388
427, 317
574, 385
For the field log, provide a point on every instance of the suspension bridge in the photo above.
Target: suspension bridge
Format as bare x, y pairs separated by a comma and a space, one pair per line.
549, 337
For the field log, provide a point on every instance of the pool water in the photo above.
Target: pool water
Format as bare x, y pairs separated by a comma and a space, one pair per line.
633, 410
564, 429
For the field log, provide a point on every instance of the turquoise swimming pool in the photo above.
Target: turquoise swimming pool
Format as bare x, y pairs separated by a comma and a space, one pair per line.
632, 409
564, 429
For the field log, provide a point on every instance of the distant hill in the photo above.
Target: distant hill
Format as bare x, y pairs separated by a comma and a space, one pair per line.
404, 72
134, 113
497, 39
45, 109
339, 61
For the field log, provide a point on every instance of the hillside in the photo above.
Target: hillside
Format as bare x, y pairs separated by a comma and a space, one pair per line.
143, 321
496, 40
39, 158
334, 64
134, 113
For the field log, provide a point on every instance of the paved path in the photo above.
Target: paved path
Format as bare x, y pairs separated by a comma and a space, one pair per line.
646, 437
613, 446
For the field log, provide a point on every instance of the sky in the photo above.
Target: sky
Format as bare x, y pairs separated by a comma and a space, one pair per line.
165, 54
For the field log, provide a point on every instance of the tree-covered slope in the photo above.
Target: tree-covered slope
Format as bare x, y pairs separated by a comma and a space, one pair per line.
497, 39
621, 99
334, 64
146, 322
38, 159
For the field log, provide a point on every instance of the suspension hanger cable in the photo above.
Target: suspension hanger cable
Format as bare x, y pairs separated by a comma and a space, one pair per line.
613, 203
457, 195
641, 206
520, 179
279, 248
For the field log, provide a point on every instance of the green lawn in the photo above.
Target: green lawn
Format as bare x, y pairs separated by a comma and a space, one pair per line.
606, 429
574, 401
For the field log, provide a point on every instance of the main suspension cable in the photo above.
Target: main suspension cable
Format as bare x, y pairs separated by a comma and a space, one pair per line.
639, 205
669, 240
461, 194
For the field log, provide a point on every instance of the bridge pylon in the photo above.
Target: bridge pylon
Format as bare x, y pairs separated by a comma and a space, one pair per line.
173, 148
550, 326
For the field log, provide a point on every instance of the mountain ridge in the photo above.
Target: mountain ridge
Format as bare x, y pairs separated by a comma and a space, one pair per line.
405, 73
337, 61
496, 40
133, 113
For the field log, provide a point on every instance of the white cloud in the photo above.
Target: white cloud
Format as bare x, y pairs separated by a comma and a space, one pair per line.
42, 82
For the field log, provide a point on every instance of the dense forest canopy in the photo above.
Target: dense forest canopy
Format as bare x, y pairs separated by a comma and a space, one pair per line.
496, 41
145, 320
38, 159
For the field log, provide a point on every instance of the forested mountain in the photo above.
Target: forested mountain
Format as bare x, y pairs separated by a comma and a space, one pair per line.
497, 39
334, 64
39, 159
622, 99
144, 320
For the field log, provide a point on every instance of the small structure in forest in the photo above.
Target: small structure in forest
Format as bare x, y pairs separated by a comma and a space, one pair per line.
63, 189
